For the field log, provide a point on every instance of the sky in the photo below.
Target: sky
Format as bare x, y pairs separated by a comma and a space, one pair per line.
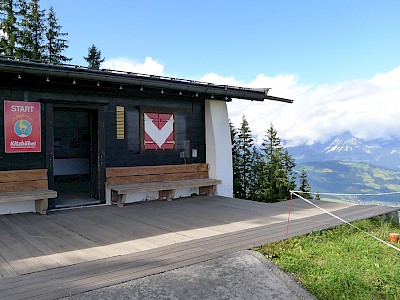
338, 60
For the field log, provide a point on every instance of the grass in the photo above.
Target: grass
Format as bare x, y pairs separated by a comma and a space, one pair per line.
342, 263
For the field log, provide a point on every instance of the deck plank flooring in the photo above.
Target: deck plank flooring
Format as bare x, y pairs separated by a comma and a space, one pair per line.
73, 251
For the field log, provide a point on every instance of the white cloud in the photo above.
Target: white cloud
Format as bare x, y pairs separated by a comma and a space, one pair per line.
2, 34
368, 108
217, 79
150, 66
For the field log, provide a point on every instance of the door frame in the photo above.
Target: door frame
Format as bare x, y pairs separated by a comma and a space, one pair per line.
96, 128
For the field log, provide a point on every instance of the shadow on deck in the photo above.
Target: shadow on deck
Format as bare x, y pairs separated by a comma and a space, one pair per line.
72, 251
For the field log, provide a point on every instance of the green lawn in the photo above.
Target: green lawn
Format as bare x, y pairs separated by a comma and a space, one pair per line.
342, 263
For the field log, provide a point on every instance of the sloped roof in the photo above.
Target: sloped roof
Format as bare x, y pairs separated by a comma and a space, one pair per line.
207, 90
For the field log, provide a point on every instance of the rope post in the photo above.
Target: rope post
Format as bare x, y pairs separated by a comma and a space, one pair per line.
288, 220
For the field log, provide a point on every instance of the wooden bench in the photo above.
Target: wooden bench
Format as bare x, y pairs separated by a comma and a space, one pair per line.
162, 179
25, 185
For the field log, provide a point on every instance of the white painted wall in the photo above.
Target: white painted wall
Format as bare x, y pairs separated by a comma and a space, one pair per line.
17, 207
218, 145
148, 196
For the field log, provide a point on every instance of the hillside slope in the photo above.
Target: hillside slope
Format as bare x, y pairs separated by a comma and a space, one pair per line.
350, 178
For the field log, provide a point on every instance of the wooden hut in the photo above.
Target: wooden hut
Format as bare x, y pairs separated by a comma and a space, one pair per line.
81, 134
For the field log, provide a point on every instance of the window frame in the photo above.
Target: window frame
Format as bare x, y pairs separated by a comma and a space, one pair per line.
153, 110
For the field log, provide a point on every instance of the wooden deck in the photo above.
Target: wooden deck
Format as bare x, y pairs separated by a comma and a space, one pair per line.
73, 251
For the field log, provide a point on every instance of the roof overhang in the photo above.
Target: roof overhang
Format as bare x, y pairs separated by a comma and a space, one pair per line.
224, 92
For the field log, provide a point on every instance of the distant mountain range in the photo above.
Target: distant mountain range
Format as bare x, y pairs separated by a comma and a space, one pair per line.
349, 165
354, 178
383, 153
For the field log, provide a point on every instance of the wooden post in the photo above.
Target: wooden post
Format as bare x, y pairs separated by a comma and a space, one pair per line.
41, 206
207, 190
166, 194
117, 199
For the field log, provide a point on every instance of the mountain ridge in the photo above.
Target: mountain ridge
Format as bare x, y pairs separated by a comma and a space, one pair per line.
348, 165
381, 152
354, 178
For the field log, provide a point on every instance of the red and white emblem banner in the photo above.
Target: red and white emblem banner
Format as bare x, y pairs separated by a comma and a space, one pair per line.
159, 131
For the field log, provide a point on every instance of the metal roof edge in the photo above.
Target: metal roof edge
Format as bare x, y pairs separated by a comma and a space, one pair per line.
122, 77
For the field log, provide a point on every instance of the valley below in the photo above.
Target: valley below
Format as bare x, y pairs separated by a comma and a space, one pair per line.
347, 165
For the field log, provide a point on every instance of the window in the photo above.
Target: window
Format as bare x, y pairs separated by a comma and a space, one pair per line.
159, 131
120, 122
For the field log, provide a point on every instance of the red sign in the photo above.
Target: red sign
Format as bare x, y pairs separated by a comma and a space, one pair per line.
159, 131
22, 126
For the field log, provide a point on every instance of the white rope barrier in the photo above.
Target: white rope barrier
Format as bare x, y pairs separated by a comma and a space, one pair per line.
344, 221
340, 194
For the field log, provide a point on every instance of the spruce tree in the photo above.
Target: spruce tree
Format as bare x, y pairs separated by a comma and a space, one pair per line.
245, 164
304, 185
271, 148
32, 31
263, 175
235, 159
289, 165
56, 44
22, 7
278, 178
94, 58
8, 27
255, 176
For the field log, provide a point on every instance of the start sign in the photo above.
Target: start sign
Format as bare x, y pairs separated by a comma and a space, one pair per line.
22, 126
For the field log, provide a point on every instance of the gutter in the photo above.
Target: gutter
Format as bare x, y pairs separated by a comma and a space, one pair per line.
129, 78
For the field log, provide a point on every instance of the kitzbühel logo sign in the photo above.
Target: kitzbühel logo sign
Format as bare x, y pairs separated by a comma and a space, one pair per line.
22, 126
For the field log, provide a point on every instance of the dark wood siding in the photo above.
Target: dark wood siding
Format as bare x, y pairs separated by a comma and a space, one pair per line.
189, 119
189, 125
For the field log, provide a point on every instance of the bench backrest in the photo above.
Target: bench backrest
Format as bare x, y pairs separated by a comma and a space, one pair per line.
23, 180
128, 175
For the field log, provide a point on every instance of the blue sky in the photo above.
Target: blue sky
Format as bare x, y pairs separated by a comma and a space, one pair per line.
321, 53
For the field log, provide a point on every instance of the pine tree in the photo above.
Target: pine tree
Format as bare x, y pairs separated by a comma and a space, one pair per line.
55, 43
278, 177
289, 164
304, 185
235, 159
94, 58
255, 176
272, 148
8, 27
32, 30
266, 175
245, 165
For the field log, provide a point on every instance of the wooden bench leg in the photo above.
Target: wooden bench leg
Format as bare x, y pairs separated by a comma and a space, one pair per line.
41, 206
166, 194
121, 200
207, 190
117, 199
